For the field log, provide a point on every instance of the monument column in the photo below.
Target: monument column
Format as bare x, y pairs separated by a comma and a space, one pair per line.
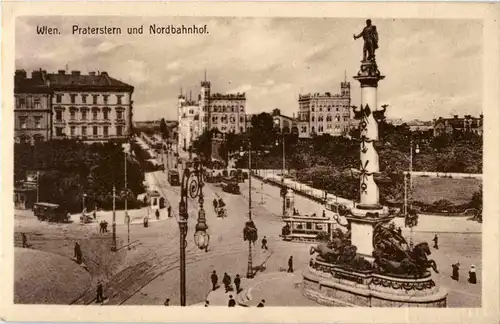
368, 212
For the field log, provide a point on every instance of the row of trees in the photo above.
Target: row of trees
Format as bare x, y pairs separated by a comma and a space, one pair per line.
69, 169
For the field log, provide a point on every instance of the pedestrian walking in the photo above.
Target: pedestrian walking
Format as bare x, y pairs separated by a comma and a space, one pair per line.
264, 243
101, 227
25, 240
455, 271
105, 226
290, 265
472, 274
214, 279
146, 221
169, 211
95, 214
167, 302
231, 302
262, 302
157, 213
324, 213
226, 280
207, 303
78, 253
237, 282
99, 293
435, 239
215, 204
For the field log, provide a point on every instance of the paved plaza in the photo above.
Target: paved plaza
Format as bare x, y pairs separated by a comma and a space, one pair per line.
149, 273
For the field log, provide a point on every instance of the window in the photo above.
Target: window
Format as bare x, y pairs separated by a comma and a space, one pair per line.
95, 115
346, 118
37, 103
59, 131
94, 131
84, 114
308, 225
312, 118
241, 129
119, 130
214, 119
105, 114
73, 98
84, 98
94, 99
58, 115
303, 129
72, 114
232, 108
72, 131
242, 119
38, 122
119, 99
337, 109
242, 109
23, 122
105, 131
119, 115
84, 130
58, 98
105, 99
22, 103
337, 118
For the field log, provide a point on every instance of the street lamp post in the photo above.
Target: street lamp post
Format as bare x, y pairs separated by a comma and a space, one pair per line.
409, 190
191, 186
127, 217
250, 258
37, 177
113, 246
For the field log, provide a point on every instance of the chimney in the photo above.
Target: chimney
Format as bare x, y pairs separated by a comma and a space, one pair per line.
92, 73
61, 72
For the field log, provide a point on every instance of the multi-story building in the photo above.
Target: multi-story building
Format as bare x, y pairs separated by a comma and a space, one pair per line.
190, 122
93, 107
224, 112
452, 126
325, 113
32, 111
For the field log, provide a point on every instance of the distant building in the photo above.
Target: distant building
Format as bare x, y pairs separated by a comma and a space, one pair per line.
284, 123
93, 107
452, 126
190, 122
224, 112
414, 125
32, 107
325, 113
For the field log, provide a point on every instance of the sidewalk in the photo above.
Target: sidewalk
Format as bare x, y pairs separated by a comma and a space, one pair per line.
276, 288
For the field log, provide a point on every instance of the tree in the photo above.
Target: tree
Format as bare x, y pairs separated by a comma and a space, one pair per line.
262, 132
164, 129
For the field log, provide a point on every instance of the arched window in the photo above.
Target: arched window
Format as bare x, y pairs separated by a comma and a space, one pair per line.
312, 118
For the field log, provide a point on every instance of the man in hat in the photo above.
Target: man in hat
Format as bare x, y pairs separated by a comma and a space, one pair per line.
290, 265
237, 282
264, 243
167, 302
214, 279
455, 268
435, 239
157, 213
207, 303
226, 280
99, 293
169, 211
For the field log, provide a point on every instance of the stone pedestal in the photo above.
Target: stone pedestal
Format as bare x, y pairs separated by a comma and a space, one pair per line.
330, 285
362, 232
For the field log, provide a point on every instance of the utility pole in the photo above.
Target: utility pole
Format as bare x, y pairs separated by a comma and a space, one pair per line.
250, 261
127, 217
113, 247
37, 195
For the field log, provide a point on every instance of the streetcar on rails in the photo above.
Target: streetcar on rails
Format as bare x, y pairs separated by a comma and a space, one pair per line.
50, 212
173, 178
305, 228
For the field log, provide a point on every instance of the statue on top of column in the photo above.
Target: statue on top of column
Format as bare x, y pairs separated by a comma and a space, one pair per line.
370, 36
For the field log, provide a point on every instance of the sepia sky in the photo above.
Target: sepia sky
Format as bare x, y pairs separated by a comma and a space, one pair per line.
433, 67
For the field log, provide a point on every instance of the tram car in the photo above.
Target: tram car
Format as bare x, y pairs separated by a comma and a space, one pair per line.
305, 228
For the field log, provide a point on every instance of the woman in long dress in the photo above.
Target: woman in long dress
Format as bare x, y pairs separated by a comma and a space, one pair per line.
472, 274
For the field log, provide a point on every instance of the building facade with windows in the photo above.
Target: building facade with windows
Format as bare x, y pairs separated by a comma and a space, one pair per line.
455, 125
190, 122
32, 109
285, 124
224, 112
93, 107
325, 113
